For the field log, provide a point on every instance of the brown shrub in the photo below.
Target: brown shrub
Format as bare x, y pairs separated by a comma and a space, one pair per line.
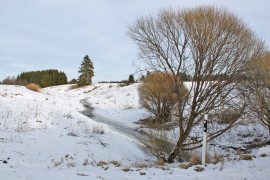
247, 157
141, 165
116, 163
33, 87
101, 163
195, 160
160, 162
184, 166
158, 94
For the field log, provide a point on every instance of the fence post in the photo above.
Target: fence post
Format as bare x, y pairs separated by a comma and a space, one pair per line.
204, 138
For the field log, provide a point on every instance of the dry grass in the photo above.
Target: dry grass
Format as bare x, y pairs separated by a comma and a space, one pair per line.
101, 163
195, 160
104, 163
247, 157
160, 162
141, 165
116, 163
33, 87
184, 166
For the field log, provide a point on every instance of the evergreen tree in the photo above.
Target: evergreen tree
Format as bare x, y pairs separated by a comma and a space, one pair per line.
131, 79
86, 72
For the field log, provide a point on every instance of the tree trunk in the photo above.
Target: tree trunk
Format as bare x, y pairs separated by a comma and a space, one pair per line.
176, 150
173, 155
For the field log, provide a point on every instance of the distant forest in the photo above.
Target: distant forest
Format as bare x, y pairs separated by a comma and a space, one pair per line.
45, 78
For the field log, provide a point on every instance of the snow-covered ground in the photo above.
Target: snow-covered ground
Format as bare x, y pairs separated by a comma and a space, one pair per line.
44, 136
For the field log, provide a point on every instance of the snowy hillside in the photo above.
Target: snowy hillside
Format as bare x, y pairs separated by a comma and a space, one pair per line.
45, 136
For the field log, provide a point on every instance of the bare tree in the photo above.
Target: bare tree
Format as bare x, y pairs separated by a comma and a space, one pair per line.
205, 43
258, 88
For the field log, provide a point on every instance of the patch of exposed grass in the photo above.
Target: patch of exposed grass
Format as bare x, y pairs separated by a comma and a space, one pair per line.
102, 163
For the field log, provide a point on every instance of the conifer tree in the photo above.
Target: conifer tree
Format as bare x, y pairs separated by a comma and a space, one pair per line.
131, 79
86, 72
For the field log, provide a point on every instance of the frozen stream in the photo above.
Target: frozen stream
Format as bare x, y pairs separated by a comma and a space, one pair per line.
121, 128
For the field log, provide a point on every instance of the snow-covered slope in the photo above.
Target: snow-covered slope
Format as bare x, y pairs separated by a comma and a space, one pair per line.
44, 136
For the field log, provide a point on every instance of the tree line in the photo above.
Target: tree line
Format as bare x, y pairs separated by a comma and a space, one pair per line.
44, 78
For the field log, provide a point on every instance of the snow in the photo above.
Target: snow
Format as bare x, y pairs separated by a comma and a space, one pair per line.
36, 141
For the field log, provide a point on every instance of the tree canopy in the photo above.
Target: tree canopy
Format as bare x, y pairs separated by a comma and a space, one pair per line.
205, 43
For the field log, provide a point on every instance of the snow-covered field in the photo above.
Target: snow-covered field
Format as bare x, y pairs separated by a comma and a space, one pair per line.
44, 136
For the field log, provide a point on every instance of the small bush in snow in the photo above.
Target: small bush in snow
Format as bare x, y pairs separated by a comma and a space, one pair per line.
141, 165
33, 87
184, 165
195, 160
102, 163
116, 163
247, 157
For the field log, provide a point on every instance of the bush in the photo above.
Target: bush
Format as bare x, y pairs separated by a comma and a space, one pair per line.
158, 94
247, 157
33, 87
184, 166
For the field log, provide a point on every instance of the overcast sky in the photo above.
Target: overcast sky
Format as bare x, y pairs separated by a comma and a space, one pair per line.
57, 34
